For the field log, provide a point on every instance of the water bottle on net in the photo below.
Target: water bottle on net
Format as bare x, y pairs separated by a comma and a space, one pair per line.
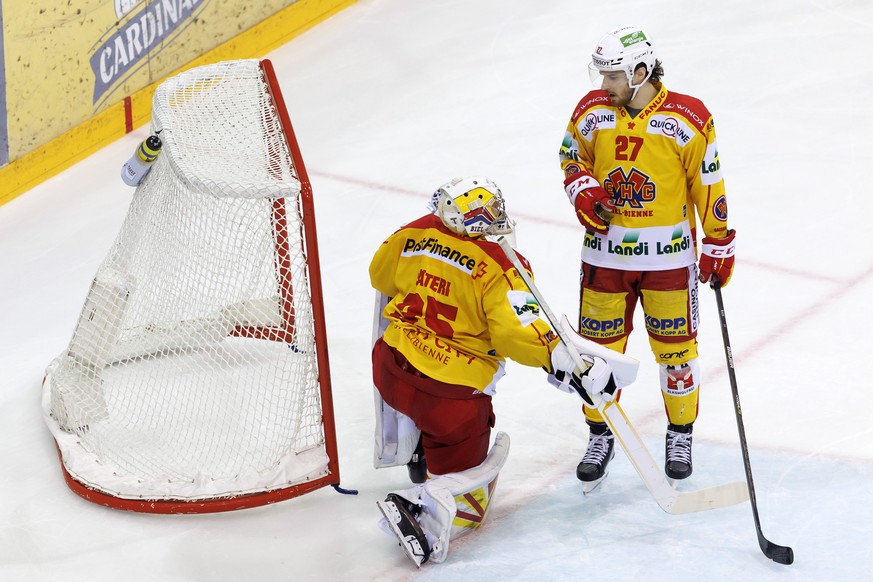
135, 169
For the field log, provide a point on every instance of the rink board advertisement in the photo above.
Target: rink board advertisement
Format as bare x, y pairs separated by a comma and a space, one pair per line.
68, 61
81, 73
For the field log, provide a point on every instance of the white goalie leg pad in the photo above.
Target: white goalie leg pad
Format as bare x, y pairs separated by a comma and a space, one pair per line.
396, 435
380, 323
455, 504
624, 367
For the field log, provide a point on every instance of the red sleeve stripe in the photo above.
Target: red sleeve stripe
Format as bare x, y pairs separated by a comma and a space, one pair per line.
688, 107
594, 98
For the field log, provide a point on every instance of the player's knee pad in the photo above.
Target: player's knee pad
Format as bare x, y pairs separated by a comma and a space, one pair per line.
680, 385
455, 504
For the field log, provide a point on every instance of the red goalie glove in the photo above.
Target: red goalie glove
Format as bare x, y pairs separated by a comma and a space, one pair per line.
593, 205
717, 258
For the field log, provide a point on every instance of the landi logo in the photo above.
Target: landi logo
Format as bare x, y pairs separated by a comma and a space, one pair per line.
121, 50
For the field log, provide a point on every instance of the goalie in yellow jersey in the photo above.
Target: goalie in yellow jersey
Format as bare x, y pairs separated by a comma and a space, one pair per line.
452, 308
642, 171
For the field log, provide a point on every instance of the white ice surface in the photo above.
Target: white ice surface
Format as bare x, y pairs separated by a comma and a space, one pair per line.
389, 99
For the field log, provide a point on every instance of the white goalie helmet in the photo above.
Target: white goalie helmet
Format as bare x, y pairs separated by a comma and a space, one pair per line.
471, 206
622, 50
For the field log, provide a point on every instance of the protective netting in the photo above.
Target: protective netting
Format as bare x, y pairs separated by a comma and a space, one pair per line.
192, 371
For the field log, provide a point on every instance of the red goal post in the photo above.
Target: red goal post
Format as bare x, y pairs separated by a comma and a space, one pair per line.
197, 379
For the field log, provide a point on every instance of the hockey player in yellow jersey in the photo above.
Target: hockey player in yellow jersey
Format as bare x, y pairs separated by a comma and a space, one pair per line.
642, 171
452, 308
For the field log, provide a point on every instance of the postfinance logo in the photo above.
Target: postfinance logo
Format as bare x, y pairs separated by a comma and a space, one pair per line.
433, 247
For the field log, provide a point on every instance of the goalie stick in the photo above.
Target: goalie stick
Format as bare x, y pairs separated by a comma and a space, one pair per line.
777, 553
669, 499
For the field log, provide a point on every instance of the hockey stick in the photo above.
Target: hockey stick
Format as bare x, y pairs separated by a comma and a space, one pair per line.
777, 553
668, 498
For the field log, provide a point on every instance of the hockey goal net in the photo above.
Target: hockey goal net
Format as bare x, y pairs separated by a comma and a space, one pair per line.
197, 376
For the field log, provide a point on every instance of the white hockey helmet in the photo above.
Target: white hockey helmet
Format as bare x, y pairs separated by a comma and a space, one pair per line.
471, 206
623, 49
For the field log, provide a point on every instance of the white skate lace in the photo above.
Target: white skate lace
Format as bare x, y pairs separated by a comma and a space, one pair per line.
679, 447
598, 447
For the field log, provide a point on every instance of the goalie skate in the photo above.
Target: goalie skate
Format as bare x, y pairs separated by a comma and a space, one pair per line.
400, 518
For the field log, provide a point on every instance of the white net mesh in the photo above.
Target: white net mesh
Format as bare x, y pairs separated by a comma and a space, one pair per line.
192, 372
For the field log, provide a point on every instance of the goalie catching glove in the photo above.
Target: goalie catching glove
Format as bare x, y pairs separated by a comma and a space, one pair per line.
593, 384
593, 204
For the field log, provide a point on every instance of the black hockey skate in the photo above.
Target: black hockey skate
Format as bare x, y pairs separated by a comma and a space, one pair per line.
417, 466
601, 449
677, 464
401, 517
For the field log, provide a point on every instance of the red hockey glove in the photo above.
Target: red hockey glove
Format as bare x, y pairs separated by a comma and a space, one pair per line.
593, 205
717, 259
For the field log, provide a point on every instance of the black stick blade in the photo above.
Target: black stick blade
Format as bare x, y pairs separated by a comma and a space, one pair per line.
777, 553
